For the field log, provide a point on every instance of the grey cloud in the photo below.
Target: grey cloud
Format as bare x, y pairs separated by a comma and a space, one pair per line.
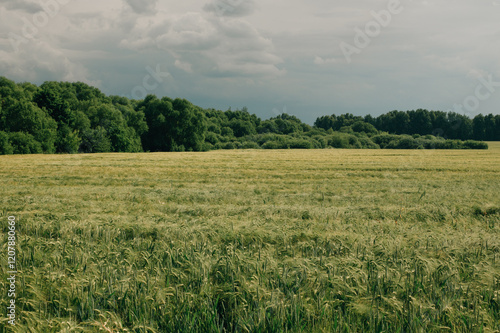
210, 46
39, 61
228, 53
23, 5
231, 8
142, 6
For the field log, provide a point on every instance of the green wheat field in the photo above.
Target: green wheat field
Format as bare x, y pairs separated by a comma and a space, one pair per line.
254, 241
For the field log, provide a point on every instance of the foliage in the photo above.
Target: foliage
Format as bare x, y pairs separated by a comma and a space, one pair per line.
95, 141
5, 146
68, 117
24, 143
174, 125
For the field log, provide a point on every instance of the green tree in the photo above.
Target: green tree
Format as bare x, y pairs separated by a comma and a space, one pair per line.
325, 122
363, 127
68, 140
24, 143
242, 127
172, 124
23, 116
489, 127
48, 98
5, 146
478, 127
95, 141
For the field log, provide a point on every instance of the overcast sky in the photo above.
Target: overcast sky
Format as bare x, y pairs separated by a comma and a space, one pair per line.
306, 58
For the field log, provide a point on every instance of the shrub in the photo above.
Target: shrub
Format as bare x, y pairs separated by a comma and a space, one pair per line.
299, 144
95, 141
5, 146
227, 131
211, 137
320, 141
67, 140
250, 145
471, 144
338, 140
366, 143
24, 143
447, 144
178, 148
404, 142
207, 146
226, 145
384, 139
361, 126
272, 145
354, 142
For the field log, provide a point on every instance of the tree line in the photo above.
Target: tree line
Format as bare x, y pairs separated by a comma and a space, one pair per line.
63, 117
449, 125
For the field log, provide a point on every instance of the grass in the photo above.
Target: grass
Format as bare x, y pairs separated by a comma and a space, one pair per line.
255, 241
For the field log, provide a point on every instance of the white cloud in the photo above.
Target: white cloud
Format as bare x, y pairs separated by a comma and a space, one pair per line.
212, 46
39, 61
183, 65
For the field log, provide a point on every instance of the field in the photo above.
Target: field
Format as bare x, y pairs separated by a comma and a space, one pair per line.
254, 241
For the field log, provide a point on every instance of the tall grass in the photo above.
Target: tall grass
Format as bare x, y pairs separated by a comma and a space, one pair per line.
255, 241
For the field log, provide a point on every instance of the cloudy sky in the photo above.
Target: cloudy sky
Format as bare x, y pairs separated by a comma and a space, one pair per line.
307, 58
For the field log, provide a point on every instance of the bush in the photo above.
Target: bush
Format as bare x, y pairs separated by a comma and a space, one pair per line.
211, 137
320, 142
250, 145
338, 140
366, 143
5, 146
225, 145
315, 131
344, 141
67, 140
354, 142
241, 127
471, 144
447, 144
95, 141
178, 148
404, 142
361, 126
272, 145
227, 131
384, 139
207, 146
24, 143
299, 144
